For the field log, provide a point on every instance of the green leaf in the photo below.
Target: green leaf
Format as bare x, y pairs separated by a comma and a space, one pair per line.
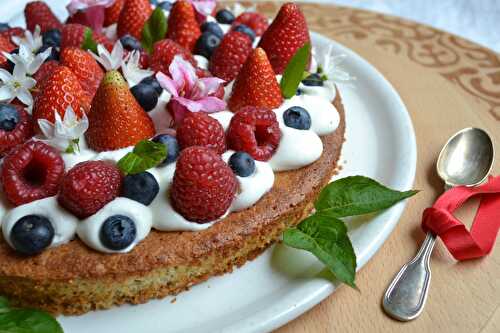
357, 195
88, 41
14, 320
327, 239
294, 71
154, 29
146, 155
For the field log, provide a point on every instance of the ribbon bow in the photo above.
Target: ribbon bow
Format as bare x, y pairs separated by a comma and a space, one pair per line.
461, 243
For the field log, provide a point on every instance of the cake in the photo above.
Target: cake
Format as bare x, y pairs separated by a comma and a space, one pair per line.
139, 169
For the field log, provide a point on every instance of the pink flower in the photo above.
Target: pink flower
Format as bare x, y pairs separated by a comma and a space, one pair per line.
76, 5
190, 93
203, 7
88, 12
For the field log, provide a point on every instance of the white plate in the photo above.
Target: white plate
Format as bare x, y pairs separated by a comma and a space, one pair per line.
284, 283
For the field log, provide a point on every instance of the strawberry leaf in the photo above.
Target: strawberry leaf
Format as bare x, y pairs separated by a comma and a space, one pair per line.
154, 30
146, 155
88, 41
294, 71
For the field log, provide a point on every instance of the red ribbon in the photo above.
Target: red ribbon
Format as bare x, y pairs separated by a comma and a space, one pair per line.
461, 243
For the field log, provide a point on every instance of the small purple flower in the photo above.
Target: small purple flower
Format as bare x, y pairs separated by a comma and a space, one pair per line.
190, 93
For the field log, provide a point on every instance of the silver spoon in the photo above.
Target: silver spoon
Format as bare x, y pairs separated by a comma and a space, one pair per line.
466, 159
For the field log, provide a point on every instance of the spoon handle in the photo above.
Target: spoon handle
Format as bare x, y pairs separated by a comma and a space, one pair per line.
405, 298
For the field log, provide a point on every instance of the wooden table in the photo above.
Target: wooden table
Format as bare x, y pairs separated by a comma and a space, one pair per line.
447, 83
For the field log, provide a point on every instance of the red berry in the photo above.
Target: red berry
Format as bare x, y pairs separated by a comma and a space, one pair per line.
255, 131
199, 129
88, 186
204, 186
255, 21
19, 134
39, 13
164, 52
31, 172
230, 55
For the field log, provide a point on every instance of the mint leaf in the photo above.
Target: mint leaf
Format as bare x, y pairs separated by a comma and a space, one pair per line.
357, 195
146, 155
88, 41
14, 320
154, 29
294, 71
327, 239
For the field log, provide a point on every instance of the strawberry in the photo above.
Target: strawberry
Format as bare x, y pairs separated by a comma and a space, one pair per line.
255, 21
19, 32
285, 36
39, 13
116, 120
182, 25
229, 57
85, 68
256, 84
164, 52
42, 73
58, 91
112, 13
72, 35
5, 46
133, 16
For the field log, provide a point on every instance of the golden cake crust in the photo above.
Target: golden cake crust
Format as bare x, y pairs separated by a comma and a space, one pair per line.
74, 279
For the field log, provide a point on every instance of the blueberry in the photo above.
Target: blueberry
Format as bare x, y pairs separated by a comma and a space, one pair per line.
165, 5
4, 26
52, 37
242, 164
153, 2
146, 95
314, 80
224, 16
206, 44
297, 117
54, 54
246, 30
172, 146
130, 43
9, 117
298, 92
32, 234
212, 27
118, 232
141, 187
151, 80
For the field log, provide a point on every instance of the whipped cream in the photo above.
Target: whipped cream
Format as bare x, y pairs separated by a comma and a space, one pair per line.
63, 222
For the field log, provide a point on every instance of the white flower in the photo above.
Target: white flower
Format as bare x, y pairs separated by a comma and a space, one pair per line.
17, 85
237, 9
64, 134
32, 42
31, 61
131, 70
110, 61
330, 66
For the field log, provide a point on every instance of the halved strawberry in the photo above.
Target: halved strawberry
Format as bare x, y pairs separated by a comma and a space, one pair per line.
133, 16
285, 36
256, 84
73, 34
182, 25
116, 120
5, 46
164, 52
39, 13
112, 13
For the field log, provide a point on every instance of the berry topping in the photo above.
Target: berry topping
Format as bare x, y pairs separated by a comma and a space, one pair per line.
32, 234
118, 232
4, 26
206, 44
199, 129
39, 13
112, 13
255, 21
164, 52
152, 81
224, 16
9, 117
182, 24
297, 117
73, 35
230, 56
31, 172
52, 37
8, 47
285, 36
133, 16
212, 27
42, 73
146, 95
130, 43
246, 30
141, 187
255, 131
88, 186
204, 186
242, 164
19, 32
15, 127
313, 80
165, 5
172, 146
256, 84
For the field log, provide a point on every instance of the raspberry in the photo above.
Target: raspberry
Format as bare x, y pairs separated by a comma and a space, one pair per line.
204, 186
255, 21
255, 131
19, 134
88, 186
199, 129
230, 55
30, 172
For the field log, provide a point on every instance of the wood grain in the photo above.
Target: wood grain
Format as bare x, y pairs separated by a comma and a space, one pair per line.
447, 84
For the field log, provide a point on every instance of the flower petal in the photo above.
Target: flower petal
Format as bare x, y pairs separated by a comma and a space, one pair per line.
183, 73
28, 82
167, 83
204, 7
212, 104
46, 127
24, 96
210, 84
5, 76
193, 106
6, 94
